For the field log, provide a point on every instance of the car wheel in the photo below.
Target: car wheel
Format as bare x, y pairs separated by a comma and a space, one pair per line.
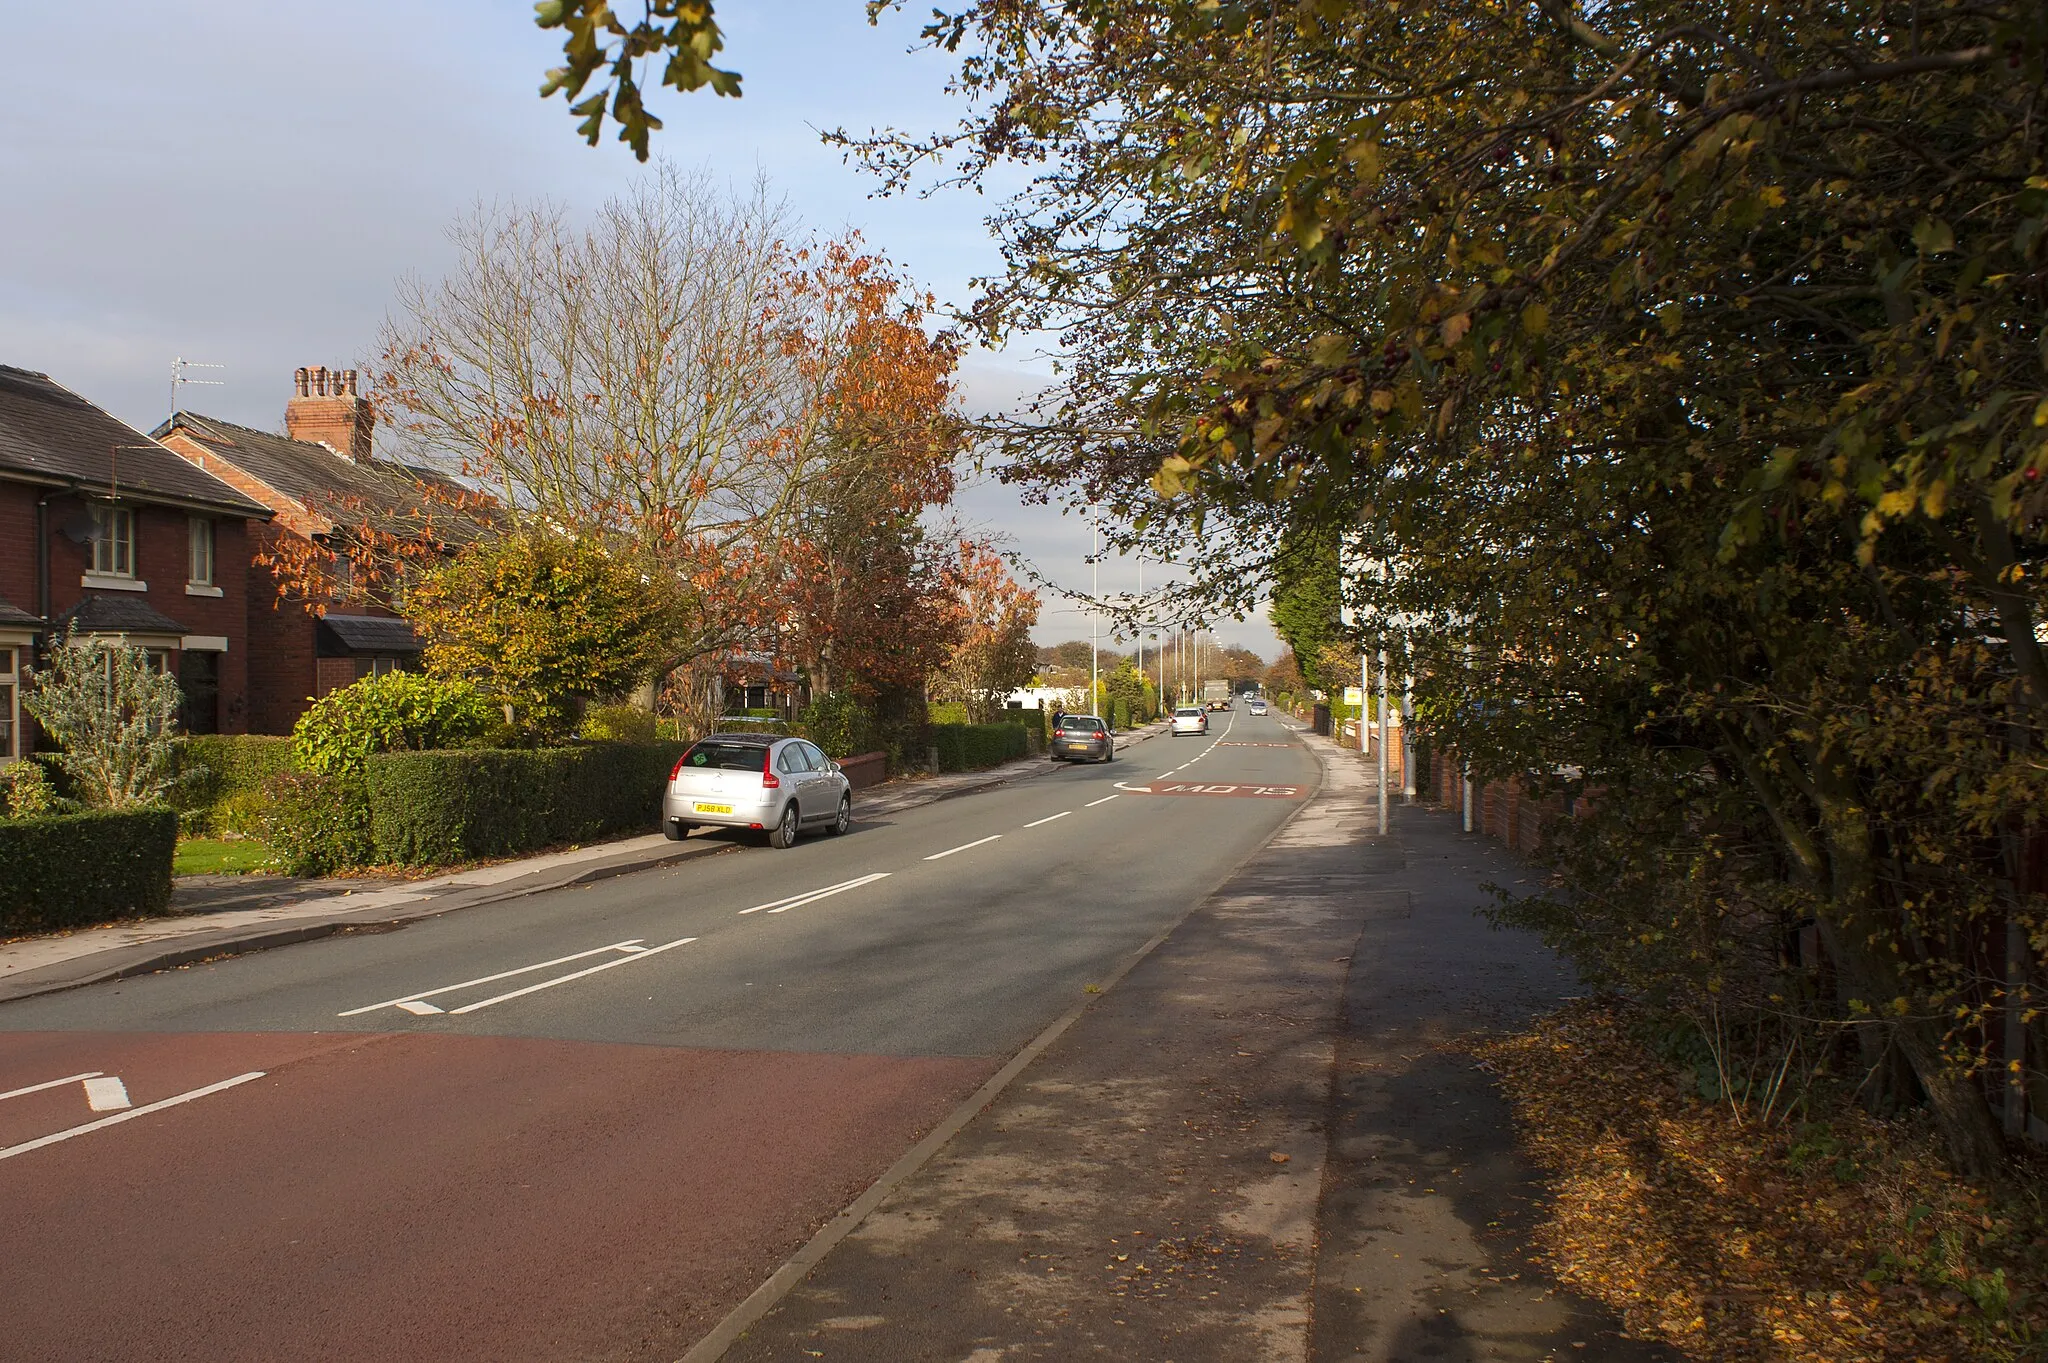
784, 833
845, 819
674, 832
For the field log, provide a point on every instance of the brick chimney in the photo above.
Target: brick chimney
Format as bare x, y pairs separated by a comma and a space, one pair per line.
327, 411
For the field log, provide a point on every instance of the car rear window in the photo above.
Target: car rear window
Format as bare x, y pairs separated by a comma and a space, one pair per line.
725, 756
1192, 710
1083, 723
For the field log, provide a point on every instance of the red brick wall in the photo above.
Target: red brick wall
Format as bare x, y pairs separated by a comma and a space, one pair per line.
282, 678
343, 423
331, 674
18, 545
1500, 809
226, 615
162, 560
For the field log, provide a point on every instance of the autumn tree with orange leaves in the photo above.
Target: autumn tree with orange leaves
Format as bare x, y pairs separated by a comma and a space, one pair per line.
868, 593
994, 655
686, 381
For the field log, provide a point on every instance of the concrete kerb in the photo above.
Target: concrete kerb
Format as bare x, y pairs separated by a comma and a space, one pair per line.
393, 907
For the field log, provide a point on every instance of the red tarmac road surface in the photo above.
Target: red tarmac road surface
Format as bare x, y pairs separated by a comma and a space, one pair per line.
414, 1196
1223, 789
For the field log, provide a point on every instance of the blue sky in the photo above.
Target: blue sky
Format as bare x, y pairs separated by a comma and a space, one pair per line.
241, 182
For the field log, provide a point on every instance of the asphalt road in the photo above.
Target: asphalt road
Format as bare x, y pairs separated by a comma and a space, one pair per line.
584, 1124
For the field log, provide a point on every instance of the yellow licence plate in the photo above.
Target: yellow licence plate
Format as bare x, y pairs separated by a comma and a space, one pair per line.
703, 808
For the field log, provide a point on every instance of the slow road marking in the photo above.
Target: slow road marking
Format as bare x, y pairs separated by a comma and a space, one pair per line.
1239, 792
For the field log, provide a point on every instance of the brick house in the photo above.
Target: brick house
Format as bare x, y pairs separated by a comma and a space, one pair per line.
105, 531
323, 484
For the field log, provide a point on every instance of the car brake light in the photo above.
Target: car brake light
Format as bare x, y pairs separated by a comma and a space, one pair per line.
1100, 733
769, 780
677, 769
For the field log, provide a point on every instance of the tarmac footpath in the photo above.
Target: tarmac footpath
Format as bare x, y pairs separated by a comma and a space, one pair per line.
1255, 1145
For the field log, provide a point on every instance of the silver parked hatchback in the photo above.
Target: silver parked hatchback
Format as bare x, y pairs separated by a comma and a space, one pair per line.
777, 785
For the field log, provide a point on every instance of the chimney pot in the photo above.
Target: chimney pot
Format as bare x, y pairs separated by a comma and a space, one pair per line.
328, 411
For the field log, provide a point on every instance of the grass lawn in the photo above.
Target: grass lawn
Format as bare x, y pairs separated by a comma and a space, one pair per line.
215, 856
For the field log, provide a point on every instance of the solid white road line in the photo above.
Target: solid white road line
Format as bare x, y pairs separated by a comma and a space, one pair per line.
572, 975
485, 979
962, 847
106, 1094
49, 1084
1049, 818
1103, 801
793, 901
11, 1151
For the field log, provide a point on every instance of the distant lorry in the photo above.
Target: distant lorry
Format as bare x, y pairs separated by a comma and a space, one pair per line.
1216, 695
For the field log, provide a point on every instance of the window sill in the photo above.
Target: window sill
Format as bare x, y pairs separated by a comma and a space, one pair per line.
113, 584
202, 589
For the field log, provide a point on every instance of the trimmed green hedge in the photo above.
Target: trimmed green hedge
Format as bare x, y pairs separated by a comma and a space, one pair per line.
317, 823
217, 779
970, 747
456, 805
72, 870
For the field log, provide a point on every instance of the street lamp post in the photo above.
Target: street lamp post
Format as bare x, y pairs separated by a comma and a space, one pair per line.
1384, 697
1094, 612
1141, 634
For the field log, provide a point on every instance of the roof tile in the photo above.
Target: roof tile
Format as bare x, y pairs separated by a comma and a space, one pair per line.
50, 433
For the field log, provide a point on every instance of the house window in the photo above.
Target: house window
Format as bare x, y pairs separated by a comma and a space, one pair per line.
113, 540
378, 667
199, 573
10, 704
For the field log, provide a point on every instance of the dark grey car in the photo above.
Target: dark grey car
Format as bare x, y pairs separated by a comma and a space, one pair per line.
779, 786
1078, 736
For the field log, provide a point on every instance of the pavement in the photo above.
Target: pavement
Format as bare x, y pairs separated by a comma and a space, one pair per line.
222, 915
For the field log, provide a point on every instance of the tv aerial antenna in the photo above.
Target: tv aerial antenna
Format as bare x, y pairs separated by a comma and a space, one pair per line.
180, 377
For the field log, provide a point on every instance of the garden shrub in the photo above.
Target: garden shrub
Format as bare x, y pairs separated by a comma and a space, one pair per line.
210, 768
317, 823
110, 713
432, 807
25, 791
618, 724
840, 724
72, 870
971, 747
246, 814
399, 711
217, 779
